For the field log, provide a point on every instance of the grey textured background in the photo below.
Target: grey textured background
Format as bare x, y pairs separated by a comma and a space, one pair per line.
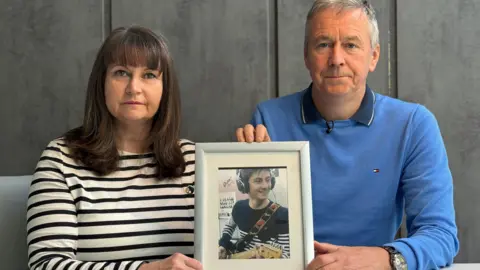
439, 66
230, 55
47, 49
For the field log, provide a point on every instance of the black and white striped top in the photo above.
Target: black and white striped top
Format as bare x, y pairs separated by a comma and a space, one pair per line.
275, 233
76, 220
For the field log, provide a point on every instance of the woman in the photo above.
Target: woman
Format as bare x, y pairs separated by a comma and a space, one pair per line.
113, 193
262, 224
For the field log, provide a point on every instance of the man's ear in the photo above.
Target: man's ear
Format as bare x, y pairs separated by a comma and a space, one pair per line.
305, 56
375, 58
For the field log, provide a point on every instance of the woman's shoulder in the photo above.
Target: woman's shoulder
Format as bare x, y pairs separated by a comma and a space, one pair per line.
186, 145
57, 147
188, 149
55, 155
60, 141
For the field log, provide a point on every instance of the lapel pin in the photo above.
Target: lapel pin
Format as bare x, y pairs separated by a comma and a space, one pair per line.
189, 189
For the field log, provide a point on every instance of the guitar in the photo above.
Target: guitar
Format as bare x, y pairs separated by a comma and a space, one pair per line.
262, 251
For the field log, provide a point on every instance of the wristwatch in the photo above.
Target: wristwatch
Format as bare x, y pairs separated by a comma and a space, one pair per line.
397, 261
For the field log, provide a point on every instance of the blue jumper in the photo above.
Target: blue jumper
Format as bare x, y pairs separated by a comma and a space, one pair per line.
388, 157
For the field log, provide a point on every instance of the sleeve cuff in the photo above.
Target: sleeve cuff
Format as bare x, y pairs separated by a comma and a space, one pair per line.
136, 265
406, 251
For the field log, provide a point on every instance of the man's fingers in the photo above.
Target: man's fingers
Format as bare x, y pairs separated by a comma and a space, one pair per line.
251, 134
325, 264
240, 135
260, 133
322, 261
324, 248
267, 137
248, 133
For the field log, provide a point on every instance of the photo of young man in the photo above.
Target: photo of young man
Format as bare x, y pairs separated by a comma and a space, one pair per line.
257, 226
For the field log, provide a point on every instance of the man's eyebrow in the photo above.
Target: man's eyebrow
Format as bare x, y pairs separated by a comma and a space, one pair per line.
348, 38
353, 38
323, 37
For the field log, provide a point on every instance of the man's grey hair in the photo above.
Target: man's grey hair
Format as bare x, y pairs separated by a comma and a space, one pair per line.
341, 5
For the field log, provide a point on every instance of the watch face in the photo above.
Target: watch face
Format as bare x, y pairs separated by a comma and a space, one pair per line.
399, 262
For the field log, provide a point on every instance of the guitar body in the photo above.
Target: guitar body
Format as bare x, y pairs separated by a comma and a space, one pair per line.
261, 251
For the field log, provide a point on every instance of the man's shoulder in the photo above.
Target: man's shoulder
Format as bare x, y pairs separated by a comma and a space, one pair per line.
394, 103
412, 117
289, 100
240, 207
395, 108
241, 203
282, 212
277, 113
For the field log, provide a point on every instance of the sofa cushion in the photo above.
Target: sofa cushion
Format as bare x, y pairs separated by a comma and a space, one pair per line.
13, 202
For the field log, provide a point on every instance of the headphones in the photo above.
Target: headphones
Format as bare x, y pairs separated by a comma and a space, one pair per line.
243, 175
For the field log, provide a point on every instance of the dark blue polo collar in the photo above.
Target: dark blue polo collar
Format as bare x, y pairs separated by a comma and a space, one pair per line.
364, 115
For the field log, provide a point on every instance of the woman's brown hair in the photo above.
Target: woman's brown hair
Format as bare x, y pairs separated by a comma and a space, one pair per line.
93, 143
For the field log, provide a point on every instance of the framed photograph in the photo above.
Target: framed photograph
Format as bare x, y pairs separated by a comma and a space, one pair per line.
253, 206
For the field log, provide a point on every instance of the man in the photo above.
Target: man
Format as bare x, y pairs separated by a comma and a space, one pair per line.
372, 157
268, 221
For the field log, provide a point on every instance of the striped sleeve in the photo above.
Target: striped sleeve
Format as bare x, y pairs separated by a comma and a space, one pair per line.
283, 237
227, 234
52, 232
284, 242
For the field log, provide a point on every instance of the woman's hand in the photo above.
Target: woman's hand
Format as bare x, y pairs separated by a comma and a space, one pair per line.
177, 261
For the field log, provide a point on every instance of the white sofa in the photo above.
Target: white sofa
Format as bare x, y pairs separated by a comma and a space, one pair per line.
13, 202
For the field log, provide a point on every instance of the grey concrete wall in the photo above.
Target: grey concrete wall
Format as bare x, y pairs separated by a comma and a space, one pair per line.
439, 66
47, 48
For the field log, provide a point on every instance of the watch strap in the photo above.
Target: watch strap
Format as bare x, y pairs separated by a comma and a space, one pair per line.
397, 261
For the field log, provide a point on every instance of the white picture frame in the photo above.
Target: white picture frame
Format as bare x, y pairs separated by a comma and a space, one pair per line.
217, 160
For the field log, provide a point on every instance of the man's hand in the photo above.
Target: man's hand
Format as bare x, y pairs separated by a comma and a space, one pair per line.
175, 262
222, 252
250, 134
331, 257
